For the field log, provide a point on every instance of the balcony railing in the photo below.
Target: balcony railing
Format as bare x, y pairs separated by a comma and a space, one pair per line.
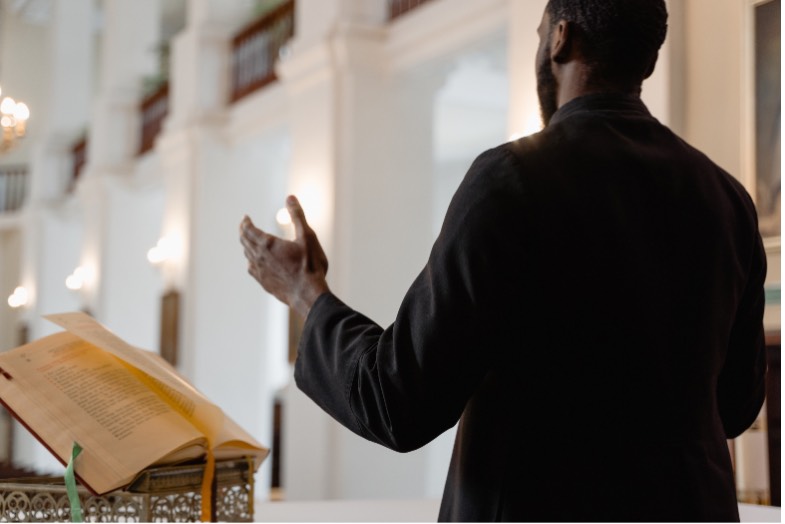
13, 188
154, 109
396, 8
256, 48
78, 160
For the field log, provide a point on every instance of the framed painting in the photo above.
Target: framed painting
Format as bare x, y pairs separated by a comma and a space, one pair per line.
170, 319
763, 101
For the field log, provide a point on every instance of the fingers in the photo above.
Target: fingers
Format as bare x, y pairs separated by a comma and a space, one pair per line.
252, 236
298, 216
256, 246
247, 228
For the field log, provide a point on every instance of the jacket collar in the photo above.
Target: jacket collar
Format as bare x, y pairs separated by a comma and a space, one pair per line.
609, 104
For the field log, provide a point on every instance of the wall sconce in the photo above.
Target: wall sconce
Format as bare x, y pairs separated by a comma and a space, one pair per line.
166, 249
283, 217
18, 298
76, 280
285, 225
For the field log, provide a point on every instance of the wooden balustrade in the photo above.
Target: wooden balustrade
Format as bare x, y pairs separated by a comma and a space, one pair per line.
154, 109
256, 48
13, 188
396, 8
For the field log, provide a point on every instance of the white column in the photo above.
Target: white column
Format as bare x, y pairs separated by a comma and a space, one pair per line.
716, 28
69, 91
663, 91
524, 18
753, 485
383, 234
201, 62
51, 232
362, 167
130, 37
228, 326
44, 264
308, 76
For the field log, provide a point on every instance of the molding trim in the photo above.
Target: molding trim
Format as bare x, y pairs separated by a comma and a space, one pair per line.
439, 28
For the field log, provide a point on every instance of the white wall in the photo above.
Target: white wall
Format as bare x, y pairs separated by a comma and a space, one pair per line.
233, 360
131, 286
24, 68
58, 243
10, 255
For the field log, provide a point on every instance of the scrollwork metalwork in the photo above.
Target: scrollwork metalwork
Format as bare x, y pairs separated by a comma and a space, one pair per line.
173, 500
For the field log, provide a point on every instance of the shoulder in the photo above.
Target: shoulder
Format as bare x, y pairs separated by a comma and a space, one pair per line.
728, 185
493, 179
504, 167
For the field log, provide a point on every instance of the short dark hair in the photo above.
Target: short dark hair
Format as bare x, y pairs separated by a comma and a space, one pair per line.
622, 37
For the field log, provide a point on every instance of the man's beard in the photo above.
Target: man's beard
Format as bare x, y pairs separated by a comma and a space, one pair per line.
546, 87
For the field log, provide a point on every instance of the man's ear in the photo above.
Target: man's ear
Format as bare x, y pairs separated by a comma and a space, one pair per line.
562, 42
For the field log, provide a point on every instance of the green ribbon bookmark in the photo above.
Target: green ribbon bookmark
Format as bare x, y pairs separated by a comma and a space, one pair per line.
70, 486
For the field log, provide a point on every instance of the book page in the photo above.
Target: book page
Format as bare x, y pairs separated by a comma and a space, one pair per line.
157, 373
162, 376
65, 389
234, 441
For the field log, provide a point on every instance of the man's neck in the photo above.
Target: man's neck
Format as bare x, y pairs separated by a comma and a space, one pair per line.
577, 81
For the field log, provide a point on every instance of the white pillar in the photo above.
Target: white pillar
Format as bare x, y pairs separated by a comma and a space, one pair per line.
362, 167
663, 91
383, 205
524, 18
716, 29
130, 38
69, 89
199, 84
228, 326
308, 76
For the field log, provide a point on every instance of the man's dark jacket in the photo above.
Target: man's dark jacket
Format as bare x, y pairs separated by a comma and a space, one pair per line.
591, 312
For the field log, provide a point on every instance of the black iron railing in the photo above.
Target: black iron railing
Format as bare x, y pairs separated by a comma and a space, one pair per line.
256, 48
396, 8
13, 188
154, 109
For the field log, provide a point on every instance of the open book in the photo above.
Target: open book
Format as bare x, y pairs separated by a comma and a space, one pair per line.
127, 408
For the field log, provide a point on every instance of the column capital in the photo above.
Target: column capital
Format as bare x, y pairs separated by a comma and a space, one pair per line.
306, 68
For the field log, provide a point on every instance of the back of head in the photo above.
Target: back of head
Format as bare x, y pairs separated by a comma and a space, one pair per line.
621, 38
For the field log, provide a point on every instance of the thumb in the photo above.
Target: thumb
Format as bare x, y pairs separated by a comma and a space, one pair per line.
298, 216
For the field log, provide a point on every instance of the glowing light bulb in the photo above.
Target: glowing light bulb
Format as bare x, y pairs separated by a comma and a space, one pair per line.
21, 111
155, 255
283, 217
18, 298
168, 248
76, 280
73, 283
7, 106
6, 121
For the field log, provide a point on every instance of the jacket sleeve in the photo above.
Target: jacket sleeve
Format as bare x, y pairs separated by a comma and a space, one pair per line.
403, 386
741, 387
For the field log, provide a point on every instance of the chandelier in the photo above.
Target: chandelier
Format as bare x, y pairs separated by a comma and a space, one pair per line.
13, 119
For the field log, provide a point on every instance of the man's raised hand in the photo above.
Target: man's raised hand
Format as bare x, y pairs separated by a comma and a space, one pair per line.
292, 271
